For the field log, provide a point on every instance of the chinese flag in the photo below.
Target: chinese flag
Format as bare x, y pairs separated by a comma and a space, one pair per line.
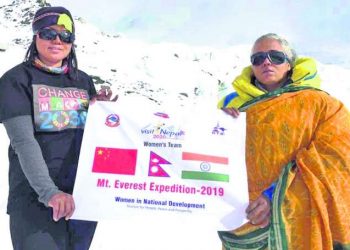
114, 161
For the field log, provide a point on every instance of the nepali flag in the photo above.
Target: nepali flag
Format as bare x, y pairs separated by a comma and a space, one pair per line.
115, 161
155, 169
204, 164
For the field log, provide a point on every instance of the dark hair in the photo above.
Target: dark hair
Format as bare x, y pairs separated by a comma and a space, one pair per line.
71, 59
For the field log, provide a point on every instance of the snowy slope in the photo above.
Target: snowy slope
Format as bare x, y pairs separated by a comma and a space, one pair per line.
161, 73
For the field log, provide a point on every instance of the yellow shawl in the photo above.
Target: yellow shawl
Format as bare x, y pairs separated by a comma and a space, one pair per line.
301, 141
304, 74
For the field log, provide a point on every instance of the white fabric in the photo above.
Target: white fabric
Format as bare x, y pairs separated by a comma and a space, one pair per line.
101, 196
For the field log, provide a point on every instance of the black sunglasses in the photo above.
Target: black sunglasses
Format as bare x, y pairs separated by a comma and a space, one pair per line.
51, 34
275, 57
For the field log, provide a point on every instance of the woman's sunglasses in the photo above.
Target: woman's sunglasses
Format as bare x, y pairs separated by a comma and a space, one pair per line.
275, 57
51, 34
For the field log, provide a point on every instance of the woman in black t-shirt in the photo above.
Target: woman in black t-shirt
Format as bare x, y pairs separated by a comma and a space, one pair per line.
43, 106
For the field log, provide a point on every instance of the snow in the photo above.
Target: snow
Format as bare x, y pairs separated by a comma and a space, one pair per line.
164, 73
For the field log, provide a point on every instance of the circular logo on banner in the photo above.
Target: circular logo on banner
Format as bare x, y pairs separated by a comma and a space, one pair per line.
112, 120
205, 166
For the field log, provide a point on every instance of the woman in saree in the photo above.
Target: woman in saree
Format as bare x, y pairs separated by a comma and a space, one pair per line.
297, 154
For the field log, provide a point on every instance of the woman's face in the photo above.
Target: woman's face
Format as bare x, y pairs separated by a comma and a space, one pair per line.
52, 52
267, 73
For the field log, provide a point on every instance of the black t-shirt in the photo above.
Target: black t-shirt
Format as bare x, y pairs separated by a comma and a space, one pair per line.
58, 106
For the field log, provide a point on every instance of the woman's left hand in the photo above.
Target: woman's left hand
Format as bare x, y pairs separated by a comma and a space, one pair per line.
259, 212
105, 94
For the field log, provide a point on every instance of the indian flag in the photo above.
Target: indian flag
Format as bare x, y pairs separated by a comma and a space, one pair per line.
205, 163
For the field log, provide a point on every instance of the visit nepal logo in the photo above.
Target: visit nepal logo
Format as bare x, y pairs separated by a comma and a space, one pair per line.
112, 120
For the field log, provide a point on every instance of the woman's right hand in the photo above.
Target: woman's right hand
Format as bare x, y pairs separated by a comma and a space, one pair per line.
231, 111
62, 205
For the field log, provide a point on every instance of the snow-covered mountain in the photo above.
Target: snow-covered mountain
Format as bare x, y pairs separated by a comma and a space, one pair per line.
163, 73
159, 72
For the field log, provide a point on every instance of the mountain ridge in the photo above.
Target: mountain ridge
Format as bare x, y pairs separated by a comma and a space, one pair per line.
161, 73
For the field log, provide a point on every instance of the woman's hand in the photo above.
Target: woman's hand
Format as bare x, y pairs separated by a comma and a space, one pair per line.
259, 212
104, 94
62, 205
231, 111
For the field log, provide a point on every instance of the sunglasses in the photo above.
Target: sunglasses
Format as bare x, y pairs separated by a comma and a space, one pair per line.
275, 57
51, 34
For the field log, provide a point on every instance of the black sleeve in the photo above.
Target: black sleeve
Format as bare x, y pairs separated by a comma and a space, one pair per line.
15, 95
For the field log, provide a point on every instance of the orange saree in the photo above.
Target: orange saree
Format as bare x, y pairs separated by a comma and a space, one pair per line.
301, 141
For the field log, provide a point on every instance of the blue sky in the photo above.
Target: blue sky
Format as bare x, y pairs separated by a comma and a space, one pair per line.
318, 28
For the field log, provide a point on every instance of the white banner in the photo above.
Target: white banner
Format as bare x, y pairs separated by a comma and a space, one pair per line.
142, 163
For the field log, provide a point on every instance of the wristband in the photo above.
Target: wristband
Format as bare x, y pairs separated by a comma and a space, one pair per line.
269, 191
